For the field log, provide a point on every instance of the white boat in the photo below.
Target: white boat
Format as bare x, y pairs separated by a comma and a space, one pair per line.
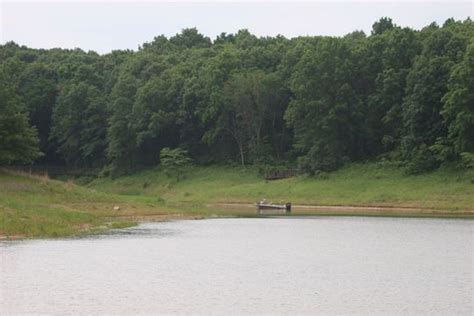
263, 205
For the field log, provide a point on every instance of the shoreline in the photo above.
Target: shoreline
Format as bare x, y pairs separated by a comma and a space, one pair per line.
132, 219
359, 210
297, 210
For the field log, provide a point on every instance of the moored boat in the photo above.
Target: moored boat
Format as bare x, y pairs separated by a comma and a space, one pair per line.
263, 205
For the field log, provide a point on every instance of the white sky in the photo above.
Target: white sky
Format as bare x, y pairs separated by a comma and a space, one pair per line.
107, 25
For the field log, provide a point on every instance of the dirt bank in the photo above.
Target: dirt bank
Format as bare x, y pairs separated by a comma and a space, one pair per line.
370, 210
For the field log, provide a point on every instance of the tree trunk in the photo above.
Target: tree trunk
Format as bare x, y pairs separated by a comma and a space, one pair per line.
241, 150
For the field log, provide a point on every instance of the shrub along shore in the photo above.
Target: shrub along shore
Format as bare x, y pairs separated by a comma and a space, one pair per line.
34, 206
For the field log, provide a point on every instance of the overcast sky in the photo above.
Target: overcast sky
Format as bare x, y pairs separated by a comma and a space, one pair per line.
108, 25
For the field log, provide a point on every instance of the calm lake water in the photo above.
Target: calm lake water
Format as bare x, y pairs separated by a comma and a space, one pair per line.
324, 265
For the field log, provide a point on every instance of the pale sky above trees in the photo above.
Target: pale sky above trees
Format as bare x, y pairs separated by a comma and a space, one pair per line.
108, 25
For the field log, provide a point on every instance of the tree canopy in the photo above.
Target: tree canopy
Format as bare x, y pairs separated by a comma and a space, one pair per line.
315, 102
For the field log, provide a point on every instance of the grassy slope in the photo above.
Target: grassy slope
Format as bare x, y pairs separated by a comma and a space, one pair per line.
37, 206
353, 185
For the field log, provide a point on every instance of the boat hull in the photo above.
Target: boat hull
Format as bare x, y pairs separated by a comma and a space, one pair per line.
265, 208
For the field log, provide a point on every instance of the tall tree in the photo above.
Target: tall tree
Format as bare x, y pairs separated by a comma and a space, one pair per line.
383, 25
18, 141
319, 101
426, 87
38, 88
458, 110
325, 113
121, 137
79, 125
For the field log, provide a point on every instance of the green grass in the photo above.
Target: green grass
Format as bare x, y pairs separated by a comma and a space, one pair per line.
357, 184
32, 206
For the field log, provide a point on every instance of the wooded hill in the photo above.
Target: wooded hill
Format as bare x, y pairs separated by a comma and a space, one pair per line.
317, 102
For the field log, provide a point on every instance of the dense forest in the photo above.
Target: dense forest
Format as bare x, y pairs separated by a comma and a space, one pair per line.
319, 102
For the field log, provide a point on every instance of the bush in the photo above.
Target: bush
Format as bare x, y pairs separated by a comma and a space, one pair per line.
467, 159
266, 170
173, 161
319, 159
422, 160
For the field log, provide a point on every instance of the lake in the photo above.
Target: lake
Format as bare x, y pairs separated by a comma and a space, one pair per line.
285, 265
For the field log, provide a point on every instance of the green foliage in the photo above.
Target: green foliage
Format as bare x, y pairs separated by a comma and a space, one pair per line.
173, 161
391, 57
251, 111
326, 113
443, 150
18, 141
421, 160
468, 159
458, 109
319, 102
38, 89
190, 38
78, 125
121, 136
383, 25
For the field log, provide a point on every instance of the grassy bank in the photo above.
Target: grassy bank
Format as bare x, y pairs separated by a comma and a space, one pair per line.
359, 185
32, 206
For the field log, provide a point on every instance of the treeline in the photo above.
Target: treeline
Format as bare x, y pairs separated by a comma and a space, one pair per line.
316, 102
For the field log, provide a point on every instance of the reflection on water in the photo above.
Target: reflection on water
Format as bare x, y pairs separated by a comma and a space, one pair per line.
323, 265
142, 231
